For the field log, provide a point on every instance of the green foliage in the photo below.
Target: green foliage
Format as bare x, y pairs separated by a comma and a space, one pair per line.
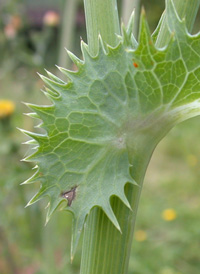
123, 99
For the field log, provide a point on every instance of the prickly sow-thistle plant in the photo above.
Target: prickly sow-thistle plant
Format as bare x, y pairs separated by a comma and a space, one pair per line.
113, 110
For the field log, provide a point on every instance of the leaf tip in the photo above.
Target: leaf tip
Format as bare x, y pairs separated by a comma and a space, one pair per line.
143, 12
130, 24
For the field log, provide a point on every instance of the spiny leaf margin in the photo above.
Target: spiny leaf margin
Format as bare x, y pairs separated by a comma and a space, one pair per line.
83, 107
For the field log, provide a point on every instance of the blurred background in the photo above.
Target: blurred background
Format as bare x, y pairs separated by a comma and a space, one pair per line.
33, 35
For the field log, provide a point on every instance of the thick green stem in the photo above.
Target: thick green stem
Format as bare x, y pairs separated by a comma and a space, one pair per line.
186, 9
101, 18
105, 250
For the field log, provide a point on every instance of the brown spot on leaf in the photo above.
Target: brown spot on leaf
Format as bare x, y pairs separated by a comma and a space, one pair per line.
69, 195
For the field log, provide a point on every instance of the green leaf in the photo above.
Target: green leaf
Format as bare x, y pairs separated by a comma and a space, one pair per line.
124, 99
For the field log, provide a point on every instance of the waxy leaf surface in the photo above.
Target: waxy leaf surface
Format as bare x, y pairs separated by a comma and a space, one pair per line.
123, 99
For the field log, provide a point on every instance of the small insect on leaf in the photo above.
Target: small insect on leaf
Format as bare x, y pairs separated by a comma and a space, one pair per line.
70, 195
135, 65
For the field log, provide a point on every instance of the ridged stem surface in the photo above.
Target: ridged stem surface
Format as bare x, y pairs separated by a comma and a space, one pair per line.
101, 18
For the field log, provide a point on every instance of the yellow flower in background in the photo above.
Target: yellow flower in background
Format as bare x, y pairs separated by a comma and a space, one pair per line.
169, 214
140, 235
6, 108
